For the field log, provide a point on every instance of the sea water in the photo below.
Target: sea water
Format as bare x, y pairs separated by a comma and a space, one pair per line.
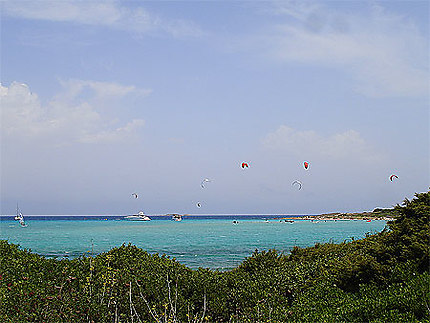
197, 241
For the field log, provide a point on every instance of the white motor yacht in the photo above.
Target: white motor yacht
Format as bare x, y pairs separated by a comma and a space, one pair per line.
141, 216
176, 217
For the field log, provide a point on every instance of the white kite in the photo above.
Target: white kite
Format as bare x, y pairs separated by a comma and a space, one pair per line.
298, 183
206, 180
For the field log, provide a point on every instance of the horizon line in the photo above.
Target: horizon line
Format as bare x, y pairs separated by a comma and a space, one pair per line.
169, 214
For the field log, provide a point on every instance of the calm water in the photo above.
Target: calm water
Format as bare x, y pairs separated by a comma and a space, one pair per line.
203, 241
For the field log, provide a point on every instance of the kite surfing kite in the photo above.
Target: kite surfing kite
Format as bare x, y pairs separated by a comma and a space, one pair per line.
245, 165
206, 180
198, 204
393, 177
135, 195
298, 183
306, 164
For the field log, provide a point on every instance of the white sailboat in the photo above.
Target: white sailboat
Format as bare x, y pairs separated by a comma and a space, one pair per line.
19, 216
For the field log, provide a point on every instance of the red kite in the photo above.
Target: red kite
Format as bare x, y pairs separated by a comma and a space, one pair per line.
306, 165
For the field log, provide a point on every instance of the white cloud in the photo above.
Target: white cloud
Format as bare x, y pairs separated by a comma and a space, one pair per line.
115, 135
73, 88
111, 14
21, 111
310, 144
91, 12
386, 54
68, 117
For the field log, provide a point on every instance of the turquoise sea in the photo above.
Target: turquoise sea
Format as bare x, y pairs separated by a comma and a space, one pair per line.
197, 241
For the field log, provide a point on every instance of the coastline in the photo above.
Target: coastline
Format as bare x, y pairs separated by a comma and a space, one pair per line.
338, 216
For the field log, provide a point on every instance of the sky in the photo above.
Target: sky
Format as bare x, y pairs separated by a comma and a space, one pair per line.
103, 99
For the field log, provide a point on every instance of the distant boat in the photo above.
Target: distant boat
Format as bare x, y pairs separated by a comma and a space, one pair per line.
19, 216
176, 217
138, 217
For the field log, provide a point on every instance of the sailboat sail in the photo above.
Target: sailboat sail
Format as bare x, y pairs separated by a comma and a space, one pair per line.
20, 217
18, 213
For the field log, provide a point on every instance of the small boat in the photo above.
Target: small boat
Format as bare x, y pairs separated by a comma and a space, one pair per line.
141, 216
176, 217
20, 217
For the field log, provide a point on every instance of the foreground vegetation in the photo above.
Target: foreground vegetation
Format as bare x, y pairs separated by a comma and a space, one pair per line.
382, 278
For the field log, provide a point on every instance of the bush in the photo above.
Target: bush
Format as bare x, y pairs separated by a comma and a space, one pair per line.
382, 278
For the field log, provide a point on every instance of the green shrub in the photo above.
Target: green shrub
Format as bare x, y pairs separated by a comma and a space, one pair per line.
382, 278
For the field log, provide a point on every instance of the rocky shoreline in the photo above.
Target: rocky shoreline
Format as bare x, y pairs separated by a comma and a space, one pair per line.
366, 216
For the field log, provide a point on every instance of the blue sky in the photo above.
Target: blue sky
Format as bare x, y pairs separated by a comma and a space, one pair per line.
103, 99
